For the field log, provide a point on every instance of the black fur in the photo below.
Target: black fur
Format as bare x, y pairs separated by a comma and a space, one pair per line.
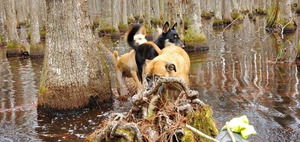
145, 51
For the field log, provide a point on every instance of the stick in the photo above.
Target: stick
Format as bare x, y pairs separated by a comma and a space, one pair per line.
200, 133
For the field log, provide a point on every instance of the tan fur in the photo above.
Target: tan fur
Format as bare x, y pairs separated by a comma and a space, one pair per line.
126, 67
170, 55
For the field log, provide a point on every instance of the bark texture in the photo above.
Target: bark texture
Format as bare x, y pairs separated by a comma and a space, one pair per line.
74, 73
35, 37
11, 22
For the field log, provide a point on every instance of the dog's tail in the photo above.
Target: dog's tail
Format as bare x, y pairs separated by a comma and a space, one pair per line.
130, 36
156, 48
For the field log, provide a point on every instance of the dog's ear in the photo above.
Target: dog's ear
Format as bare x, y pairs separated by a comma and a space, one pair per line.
170, 67
174, 26
166, 27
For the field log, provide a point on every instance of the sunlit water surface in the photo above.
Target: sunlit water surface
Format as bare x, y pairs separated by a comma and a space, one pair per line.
237, 76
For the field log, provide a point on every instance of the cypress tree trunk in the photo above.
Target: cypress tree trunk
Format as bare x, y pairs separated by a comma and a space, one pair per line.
74, 74
11, 22
35, 37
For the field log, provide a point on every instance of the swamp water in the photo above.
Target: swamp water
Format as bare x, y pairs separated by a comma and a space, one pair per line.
236, 76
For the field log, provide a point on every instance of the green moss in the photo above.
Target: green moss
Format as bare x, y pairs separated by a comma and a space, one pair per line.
128, 133
237, 16
2, 38
43, 32
155, 21
217, 22
260, 11
38, 46
42, 90
13, 45
298, 50
227, 21
207, 15
273, 15
107, 29
192, 37
130, 20
123, 27
202, 120
188, 136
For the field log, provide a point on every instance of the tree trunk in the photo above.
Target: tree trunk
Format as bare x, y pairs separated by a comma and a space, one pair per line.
21, 13
286, 17
155, 10
2, 30
226, 12
124, 18
105, 14
194, 34
74, 73
218, 13
116, 10
147, 13
11, 22
35, 37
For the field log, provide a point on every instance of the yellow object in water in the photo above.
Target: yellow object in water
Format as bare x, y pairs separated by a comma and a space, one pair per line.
240, 125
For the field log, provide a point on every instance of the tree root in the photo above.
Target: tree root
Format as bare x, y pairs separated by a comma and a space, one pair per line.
151, 118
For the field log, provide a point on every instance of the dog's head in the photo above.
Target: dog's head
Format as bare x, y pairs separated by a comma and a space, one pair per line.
171, 35
156, 69
139, 39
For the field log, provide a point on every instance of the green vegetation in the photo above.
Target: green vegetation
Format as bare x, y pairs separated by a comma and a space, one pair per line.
123, 27
130, 20
237, 16
217, 22
207, 15
260, 11
43, 32
13, 45
155, 21
188, 136
107, 29
192, 37
202, 120
273, 15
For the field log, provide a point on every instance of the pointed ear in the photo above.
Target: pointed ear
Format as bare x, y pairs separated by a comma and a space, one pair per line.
170, 67
166, 27
174, 26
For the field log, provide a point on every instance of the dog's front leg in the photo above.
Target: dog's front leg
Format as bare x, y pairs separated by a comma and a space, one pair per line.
138, 84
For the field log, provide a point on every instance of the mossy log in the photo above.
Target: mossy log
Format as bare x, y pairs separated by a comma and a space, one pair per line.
178, 119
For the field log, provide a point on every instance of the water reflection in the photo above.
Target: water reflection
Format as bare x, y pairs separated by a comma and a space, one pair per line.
237, 76
18, 99
240, 77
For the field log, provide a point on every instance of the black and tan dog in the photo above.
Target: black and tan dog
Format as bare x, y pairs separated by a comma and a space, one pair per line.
146, 51
126, 64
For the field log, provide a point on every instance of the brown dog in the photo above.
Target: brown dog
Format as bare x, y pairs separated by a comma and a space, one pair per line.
126, 66
172, 61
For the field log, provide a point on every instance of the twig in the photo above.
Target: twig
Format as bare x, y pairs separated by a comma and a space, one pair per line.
284, 27
200, 133
230, 132
229, 25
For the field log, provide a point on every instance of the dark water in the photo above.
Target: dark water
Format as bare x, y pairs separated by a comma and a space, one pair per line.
237, 76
